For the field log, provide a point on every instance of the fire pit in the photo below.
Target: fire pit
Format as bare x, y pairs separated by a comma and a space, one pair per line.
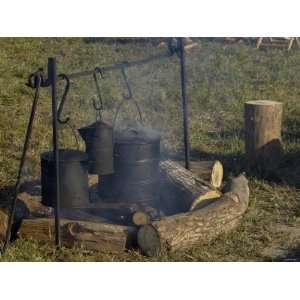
190, 212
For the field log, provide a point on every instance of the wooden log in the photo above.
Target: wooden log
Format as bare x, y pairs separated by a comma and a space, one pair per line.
181, 188
30, 206
141, 218
145, 216
89, 235
263, 120
210, 171
3, 224
186, 230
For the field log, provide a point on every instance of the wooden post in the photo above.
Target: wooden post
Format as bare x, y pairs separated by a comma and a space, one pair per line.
263, 134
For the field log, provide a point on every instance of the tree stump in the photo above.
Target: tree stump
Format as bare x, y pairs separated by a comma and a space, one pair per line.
263, 146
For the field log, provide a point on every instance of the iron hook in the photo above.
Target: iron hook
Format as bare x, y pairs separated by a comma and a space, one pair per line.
63, 99
129, 96
98, 70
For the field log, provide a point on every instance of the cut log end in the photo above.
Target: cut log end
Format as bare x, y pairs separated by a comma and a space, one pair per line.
149, 241
140, 218
264, 102
205, 199
217, 174
210, 171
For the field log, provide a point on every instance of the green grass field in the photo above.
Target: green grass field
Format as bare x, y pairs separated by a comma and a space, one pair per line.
221, 78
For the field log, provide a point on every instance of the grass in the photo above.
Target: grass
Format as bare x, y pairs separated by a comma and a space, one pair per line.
221, 78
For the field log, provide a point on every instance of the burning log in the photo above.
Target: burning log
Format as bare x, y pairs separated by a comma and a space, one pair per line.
185, 187
89, 235
210, 171
185, 230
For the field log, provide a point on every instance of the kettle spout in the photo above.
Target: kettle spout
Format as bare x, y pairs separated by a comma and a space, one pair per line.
84, 133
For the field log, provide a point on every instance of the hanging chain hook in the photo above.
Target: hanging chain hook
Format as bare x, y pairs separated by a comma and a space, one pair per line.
129, 95
99, 108
63, 99
96, 71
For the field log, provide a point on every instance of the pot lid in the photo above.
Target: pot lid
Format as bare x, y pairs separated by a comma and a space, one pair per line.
66, 155
95, 125
137, 135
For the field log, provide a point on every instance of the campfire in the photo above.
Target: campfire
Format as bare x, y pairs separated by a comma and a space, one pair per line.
119, 194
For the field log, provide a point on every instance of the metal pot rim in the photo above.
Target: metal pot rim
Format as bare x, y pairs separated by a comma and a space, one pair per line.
66, 155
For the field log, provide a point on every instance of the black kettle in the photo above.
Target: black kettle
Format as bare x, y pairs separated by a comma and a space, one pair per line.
98, 138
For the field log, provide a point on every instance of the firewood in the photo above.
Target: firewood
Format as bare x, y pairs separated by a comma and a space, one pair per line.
141, 218
30, 206
182, 187
210, 171
146, 215
89, 235
79, 214
3, 224
186, 230
263, 120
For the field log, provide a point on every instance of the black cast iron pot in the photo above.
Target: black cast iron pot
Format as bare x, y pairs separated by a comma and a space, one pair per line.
136, 161
73, 167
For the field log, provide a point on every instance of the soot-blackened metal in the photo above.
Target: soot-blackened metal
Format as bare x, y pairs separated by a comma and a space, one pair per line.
136, 160
73, 185
98, 139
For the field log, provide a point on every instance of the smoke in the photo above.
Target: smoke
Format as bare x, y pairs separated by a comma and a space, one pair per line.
137, 133
155, 87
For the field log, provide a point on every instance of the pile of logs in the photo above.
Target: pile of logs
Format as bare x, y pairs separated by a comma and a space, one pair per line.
193, 211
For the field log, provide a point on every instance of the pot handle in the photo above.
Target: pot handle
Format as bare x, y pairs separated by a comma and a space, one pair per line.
127, 98
73, 129
119, 108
